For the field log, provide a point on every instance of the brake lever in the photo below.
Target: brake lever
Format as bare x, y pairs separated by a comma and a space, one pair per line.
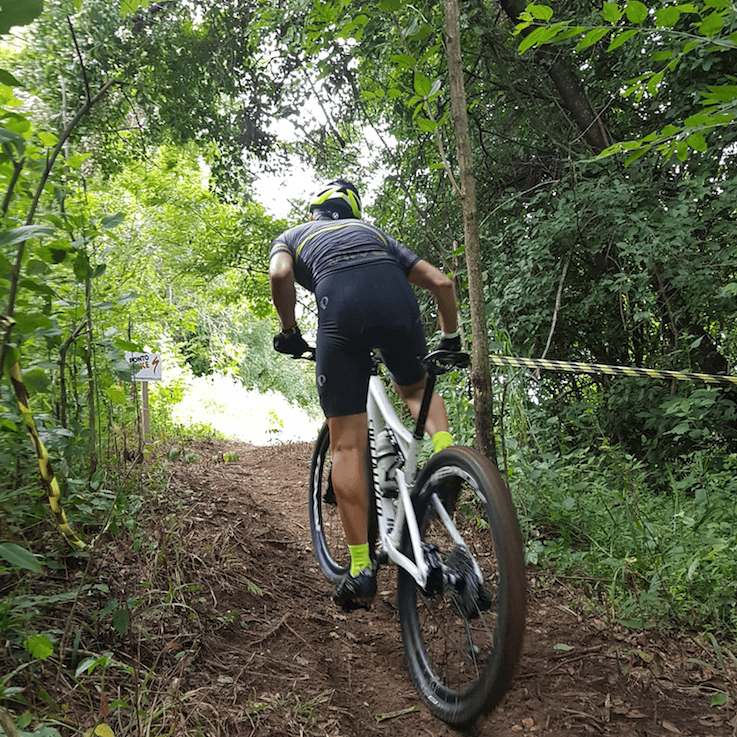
308, 355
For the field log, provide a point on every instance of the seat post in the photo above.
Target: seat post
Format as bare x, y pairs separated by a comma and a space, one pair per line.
425, 406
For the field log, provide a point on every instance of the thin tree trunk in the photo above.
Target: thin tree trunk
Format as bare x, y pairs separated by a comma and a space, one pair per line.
90, 376
480, 373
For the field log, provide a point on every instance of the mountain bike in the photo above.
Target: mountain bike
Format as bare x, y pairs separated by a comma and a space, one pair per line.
452, 531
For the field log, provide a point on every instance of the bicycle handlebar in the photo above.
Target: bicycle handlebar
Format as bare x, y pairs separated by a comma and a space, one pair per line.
440, 362
437, 362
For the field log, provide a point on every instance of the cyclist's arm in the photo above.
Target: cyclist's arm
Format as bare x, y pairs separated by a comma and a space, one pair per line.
425, 275
283, 293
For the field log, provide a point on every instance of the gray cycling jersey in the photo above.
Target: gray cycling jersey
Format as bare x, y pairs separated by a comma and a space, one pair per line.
323, 247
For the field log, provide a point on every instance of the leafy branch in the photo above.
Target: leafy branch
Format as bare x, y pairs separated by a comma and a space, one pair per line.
625, 22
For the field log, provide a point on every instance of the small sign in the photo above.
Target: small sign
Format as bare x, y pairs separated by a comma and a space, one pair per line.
149, 365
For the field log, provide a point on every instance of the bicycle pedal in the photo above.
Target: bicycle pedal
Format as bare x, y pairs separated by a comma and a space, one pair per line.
380, 558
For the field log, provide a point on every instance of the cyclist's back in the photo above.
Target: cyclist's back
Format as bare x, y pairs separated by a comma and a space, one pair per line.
326, 246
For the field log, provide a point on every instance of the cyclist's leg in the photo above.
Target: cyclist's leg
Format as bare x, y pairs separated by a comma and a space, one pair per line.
348, 445
343, 366
437, 419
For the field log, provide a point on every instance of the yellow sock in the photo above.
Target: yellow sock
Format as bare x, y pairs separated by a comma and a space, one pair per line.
360, 558
441, 439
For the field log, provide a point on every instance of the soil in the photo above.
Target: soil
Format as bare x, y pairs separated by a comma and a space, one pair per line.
248, 642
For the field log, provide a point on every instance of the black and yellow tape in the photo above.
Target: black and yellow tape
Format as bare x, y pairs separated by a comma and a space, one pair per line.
48, 480
600, 368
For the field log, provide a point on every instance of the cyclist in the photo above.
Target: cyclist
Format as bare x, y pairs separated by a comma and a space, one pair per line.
362, 280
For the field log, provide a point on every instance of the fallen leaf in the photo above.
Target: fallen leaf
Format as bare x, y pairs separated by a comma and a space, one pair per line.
671, 727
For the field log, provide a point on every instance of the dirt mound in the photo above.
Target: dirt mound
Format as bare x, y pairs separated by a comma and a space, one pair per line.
232, 622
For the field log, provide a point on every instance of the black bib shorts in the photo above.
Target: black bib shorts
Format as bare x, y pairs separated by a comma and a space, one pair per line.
370, 306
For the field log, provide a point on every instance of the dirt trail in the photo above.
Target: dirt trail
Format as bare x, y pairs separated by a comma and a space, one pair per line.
263, 651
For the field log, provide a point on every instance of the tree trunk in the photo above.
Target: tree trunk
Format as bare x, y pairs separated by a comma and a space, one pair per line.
92, 415
569, 87
480, 374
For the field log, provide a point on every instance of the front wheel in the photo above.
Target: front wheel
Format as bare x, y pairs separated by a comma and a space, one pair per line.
328, 539
463, 634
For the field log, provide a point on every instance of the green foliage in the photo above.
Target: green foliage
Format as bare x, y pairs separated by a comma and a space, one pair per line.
672, 34
661, 547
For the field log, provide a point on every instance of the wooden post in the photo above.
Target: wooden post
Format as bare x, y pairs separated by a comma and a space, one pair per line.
145, 419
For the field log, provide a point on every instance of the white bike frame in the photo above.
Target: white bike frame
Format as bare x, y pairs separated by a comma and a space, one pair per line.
392, 513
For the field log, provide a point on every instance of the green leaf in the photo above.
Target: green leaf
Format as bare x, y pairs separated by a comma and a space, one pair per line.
697, 142
8, 79
540, 12
89, 664
570, 32
48, 139
620, 38
592, 37
712, 24
15, 554
539, 36
422, 85
611, 12
391, 6
39, 646
82, 266
718, 4
718, 699
38, 287
116, 394
638, 154
667, 17
427, 126
121, 621
8, 136
655, 80
563, 646
19, 13
404, 61
636, 12
76, 160
128, 7
720, 93
126, 345
23, 233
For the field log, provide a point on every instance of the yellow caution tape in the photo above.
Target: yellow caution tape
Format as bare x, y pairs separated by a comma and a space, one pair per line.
600, 368
48, 479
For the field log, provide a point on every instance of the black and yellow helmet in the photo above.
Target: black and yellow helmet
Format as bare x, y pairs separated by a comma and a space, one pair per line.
337, 199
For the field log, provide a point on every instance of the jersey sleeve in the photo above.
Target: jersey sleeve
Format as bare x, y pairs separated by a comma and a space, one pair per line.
279, 246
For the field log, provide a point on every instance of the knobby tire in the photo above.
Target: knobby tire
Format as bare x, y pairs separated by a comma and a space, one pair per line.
462, 648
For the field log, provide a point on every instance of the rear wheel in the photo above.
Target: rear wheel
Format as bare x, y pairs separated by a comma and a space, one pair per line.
462, 637
328, 539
